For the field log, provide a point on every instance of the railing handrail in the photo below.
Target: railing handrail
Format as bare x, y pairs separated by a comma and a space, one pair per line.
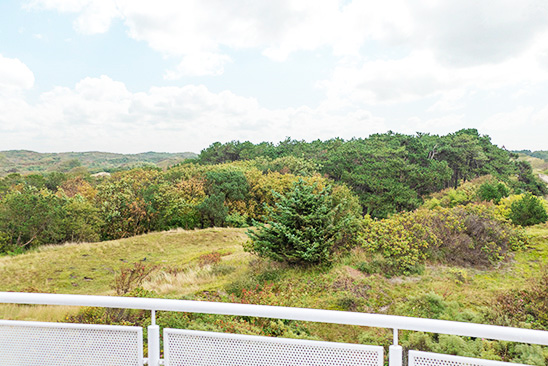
279, 312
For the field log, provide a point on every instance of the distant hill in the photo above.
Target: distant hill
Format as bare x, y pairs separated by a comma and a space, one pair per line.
537, 159
540, 154
24, 161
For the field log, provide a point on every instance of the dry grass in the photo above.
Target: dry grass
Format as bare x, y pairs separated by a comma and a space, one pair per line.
36, 312
538, 165
89, 268
196, 277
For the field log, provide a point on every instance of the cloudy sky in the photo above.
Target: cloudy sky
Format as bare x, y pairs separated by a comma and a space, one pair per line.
176, 75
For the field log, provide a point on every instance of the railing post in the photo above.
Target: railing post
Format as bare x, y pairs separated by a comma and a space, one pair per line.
153, 341
395, 352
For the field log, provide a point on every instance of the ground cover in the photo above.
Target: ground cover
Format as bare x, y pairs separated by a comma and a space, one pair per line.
211, 265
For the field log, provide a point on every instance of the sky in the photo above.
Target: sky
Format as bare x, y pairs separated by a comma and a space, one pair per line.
131, 76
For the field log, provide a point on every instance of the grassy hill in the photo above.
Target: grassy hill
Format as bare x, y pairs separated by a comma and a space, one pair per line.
179, 256
211, 265
538, 164
24, 161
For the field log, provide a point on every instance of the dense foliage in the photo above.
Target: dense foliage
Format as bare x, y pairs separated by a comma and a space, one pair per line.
471, 235
528, 210
233, 184
306, 225
60, 207
392, 172
33, 217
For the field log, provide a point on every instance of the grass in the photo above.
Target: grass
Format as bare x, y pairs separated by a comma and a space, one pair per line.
90, 268
64, 269
538, 165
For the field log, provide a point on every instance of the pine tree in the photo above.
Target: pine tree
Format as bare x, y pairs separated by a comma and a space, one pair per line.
302, 228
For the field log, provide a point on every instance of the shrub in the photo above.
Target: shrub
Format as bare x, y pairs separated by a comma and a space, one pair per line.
209, 259
492, 191
402, 241
472, 235
428, 305
529, 210
236, 219
529, 305
130, 278
305, 226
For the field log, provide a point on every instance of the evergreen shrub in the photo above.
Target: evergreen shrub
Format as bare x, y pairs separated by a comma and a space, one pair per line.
529, 210
306, 225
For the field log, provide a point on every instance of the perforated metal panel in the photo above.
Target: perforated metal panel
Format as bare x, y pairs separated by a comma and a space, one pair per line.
418, 358
60, 344
187, 347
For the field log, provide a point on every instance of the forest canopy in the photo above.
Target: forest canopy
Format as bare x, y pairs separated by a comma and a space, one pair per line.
237, 183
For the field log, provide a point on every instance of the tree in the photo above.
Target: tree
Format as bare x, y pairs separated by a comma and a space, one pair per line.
128, 203
528, 211
493, 191
224, 188
304, 227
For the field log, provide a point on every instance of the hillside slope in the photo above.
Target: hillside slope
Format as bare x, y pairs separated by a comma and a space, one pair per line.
179, 255
24, 161
211, 265
90, 268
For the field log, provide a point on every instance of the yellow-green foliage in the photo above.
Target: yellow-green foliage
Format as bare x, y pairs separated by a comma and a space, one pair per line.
462, 195
474, 234
503, 208
402, 240
90, 268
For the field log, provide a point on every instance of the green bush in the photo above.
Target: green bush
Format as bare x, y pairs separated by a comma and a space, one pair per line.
236, 219
492, 191
529, 210
305, 226
471, 235
429, 305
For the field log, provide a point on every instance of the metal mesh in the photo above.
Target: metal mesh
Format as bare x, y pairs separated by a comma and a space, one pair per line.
36, 343
417, 358
186, 347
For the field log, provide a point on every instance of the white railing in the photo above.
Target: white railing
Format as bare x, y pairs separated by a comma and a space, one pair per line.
395, 323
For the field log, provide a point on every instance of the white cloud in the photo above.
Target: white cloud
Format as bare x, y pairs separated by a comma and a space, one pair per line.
94, 16
468, 32
458, 33
423, 58
420, 75
14, 75
507, 121
101, 114
521, 127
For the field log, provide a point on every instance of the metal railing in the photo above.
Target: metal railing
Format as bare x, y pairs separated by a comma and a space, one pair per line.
395, 323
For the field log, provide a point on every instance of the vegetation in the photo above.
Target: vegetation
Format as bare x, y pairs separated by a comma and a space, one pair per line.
307, 225
393, 172
30, 162
528, 210
541, 154
448, 227
211, 265
385, 173
471, 235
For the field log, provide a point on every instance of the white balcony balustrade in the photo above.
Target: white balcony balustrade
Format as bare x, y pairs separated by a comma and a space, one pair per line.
35, 343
